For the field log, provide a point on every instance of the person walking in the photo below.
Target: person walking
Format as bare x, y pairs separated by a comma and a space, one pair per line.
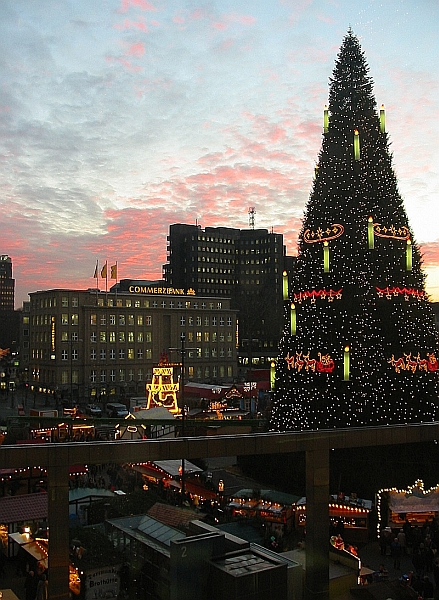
395, 553
30, 585
42, 588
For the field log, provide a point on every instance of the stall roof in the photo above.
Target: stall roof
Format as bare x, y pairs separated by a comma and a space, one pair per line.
172, 467
24, 507
270, 495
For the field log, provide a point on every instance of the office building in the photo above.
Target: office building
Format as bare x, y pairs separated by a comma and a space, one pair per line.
245, 265
96, 346
7, 284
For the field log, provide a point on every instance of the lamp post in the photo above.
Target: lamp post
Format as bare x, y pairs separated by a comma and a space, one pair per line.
182, 350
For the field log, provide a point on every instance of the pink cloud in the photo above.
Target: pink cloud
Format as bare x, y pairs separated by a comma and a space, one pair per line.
136, 50
430, 252
142, 4
234, 18
129, 66
127, 24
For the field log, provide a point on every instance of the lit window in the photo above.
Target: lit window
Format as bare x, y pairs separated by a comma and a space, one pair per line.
64, 319
121, 336
75, 319
130, 353
103, 336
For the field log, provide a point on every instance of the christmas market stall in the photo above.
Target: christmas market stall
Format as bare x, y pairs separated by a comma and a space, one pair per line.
414, 504
349, 516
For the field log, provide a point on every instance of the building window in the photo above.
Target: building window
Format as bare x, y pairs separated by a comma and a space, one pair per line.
93, 376
131, 336
103, 336
139, 319
190, 336
64, 355
198, 321
206, 336
112, 337
93, 354
139, 374
221, 321
182, 320
64, 377
128, 303
206, 352
190, 321
65, 301
214, 353
206, 372
121, 336
75, 354
65, 336
229, 352
103, 319
139, 353
137, 303
112, 319
222, 371
121, 319
103, 354
121, 374
122, 353
103, 376
130, 353
148, 337
190, 372
229, 371
75, 319
198, 336
148, 354
112, 354
148, 320
112, 375
130, 319
64, 319
229, 321
140, 336
214, 321
75, 336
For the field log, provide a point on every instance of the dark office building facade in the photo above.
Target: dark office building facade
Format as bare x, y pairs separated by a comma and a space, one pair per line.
245, 265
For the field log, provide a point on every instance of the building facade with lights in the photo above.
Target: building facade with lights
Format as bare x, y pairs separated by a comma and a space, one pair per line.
92, 345
243, 264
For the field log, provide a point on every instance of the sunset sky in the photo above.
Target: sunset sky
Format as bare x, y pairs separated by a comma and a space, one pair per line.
121, 117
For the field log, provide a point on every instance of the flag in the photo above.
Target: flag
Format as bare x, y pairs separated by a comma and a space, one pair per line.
104, 271
96, 271
113, 270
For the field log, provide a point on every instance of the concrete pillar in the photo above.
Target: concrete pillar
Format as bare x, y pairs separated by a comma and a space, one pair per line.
317, 525
58, 519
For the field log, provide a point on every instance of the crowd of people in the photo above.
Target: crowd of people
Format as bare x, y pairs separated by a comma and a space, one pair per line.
420, 544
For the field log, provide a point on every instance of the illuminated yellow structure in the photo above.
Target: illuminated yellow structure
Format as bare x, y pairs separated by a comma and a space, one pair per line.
162, 391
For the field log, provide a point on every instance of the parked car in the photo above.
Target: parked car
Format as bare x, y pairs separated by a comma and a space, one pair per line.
94, 410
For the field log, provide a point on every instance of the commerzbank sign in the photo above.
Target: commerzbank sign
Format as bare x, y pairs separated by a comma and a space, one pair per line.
167, 291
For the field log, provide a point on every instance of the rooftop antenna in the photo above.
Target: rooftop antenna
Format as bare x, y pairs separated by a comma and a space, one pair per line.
251, 217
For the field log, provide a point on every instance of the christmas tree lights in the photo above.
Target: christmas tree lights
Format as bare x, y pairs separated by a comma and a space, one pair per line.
360, 360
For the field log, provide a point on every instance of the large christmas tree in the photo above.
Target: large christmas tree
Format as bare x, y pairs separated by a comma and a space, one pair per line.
359, 346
